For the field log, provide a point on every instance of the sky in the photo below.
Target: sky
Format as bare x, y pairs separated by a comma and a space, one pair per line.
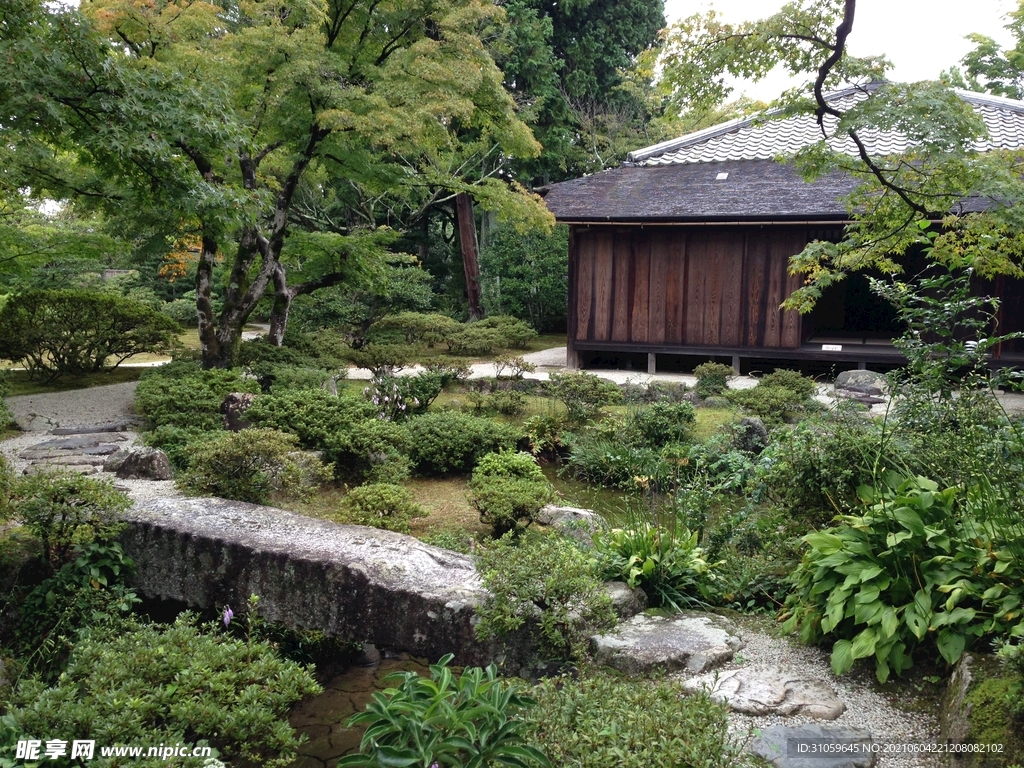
920, 37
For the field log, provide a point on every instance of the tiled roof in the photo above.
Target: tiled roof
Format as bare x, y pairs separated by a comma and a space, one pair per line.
729, 172
755, 138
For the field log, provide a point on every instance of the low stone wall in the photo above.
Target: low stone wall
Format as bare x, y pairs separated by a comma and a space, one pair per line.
370, 585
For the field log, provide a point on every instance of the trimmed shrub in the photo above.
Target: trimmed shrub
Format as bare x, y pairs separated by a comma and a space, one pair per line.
509, 489
661, 423
547, 584
713, 378
287, 367
450, 368
507, 402
415, 327
316, 417
182, 395
509, 464
515, 333
152, 684
583, 394
380, 505
476, 340
253, 465
371, 450
449, 441
175, 442
514, 364
803, 386
72, 332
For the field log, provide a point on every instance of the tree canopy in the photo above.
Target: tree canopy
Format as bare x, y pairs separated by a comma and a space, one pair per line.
901, 197
286, 138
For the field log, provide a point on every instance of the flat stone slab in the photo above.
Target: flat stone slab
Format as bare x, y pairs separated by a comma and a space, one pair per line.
82, 469
65, 461
814, 746
695, 642
80, 442
770, 691
371, 585
90, 429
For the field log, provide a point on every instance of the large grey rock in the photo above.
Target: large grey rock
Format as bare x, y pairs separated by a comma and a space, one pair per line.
144, 463
370, 585
861, 379
626, 602
955, 710
90, 429
751, 435
770, 691
581, 524
814, 746
79, 442
694, 642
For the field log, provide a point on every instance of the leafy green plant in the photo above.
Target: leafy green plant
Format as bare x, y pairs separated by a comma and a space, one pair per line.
67, 510
661, 423
664, 561
508, 402
583, 394
515, 333
316, 417
450, 368
596, 721
448, 441
381, 505
773, 404
72, 332
454, 539
475, 340
175, 441
471, 720
713, 378
181, 395
415, 327
509, 464
514, 364
545, 434
906, 573
803, 386
547, 584
509, 490
144, 683
253, 465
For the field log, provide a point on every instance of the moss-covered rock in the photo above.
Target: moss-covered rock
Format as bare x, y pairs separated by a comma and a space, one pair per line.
976, 711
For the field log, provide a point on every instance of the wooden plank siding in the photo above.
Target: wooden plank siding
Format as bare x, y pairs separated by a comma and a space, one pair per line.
680, 286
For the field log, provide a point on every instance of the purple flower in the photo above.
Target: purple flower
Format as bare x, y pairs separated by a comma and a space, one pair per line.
228, 616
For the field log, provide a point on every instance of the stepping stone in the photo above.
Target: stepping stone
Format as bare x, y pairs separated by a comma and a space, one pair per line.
82, 469
80, 442
770, 691
694, 642
814, 746
102, 450
66, 461
90, 429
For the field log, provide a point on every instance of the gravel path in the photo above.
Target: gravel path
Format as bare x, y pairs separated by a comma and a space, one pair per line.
866, 707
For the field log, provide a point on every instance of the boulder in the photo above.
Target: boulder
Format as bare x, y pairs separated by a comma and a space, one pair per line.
233, 409
770, 691
852, 379
144, 463
580, 524
751, 435
626, 602
694, 642
814, 746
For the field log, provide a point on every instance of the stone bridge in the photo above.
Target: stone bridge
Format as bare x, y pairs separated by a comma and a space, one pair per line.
369, 585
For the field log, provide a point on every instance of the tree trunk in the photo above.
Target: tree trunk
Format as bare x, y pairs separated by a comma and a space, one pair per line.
283, 296
208, 341
467, 237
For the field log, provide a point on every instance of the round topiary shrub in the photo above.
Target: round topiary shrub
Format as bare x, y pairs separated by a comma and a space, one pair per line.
253, 465
713, 378
449, 441
661, 423
509, 490
380, 505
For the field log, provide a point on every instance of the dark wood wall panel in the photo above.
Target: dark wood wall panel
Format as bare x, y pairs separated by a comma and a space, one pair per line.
695, 268
585, 291
756, 271
621, 291
675, 288
732, 298
603, 276
656, 320
641, 243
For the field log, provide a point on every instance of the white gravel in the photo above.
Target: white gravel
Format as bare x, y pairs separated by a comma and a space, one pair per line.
866, 707
37, 414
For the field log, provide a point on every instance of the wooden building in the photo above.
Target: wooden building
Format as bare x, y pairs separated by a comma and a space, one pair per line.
683, 250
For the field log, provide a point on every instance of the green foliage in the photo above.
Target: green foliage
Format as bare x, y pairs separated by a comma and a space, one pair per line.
772, 404
454, 539
514, 364
253, 465
476, 340
803, 386
372, 450
509, 490
1012, 657
547, 584
183, 684
380, 505
507, 402
611, 463
181, 395
471, 720
526, 276
597, 720
316, 417
71, 332
176, 442
545, 434
451, 368
298, 364
663, 560
447, 441
515, 333
583, 394
87, 591
509, 464
661, 423
399, 397
906, 573
713, 378
67, 510
415, 328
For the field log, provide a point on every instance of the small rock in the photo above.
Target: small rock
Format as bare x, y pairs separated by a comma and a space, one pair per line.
695, 642
626, 602
114, 461
368, 656
751, 435
793, 746
580, 524
145, 463
772, 691
234, 407
850, 379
